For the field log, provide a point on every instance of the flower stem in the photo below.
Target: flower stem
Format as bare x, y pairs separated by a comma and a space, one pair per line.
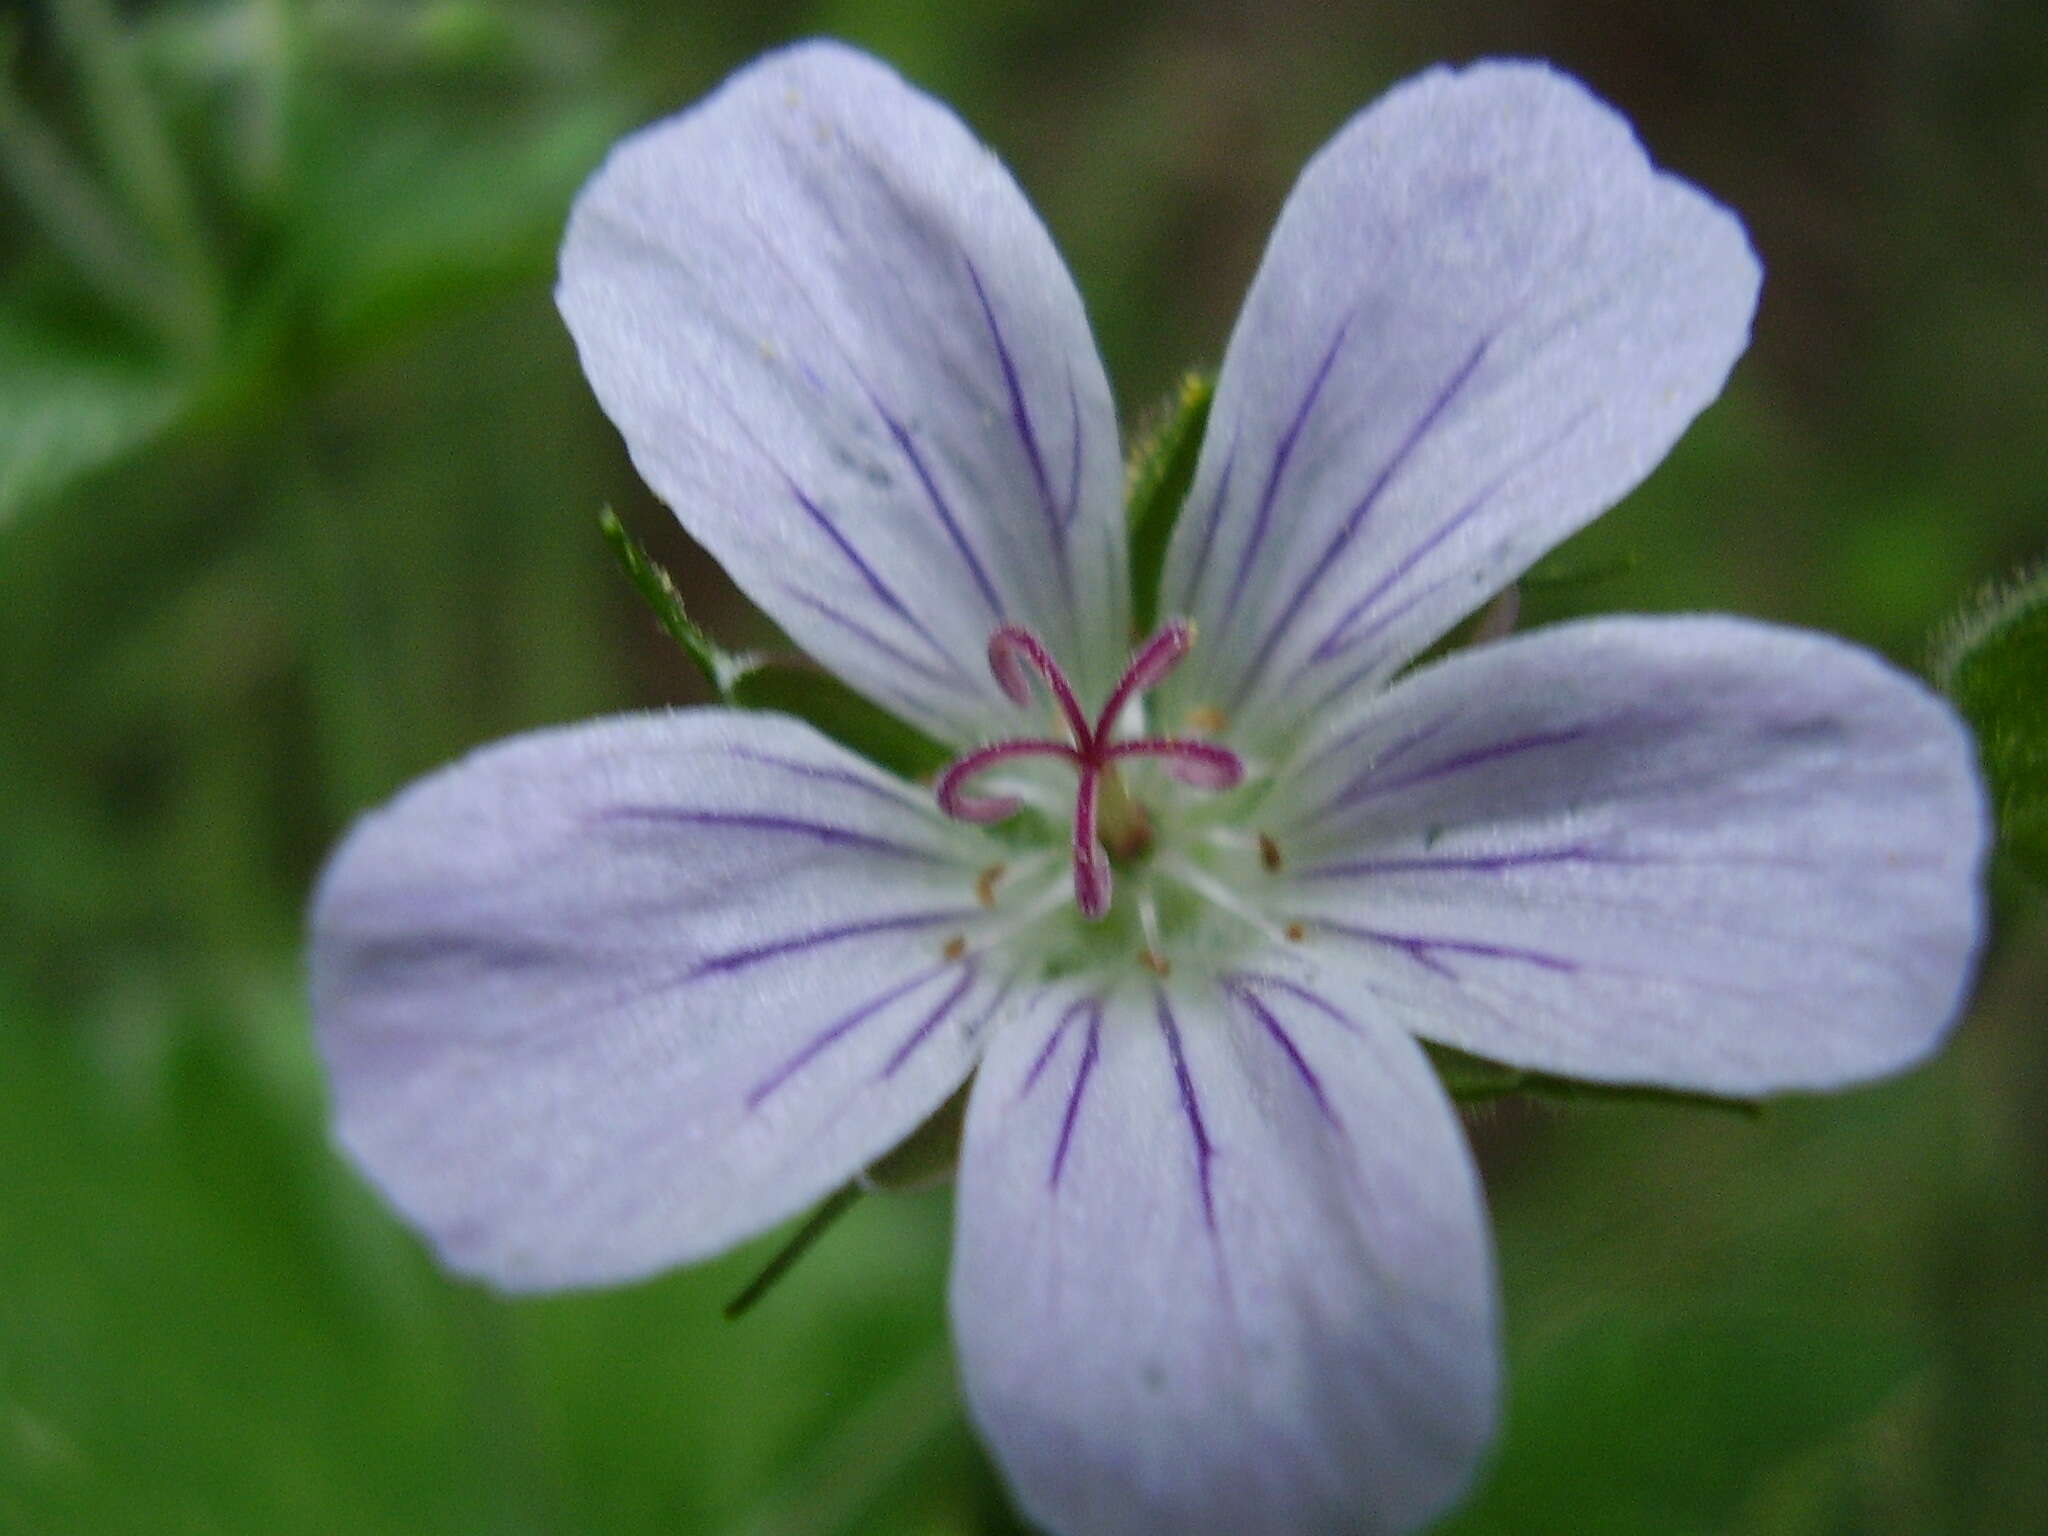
815, 1226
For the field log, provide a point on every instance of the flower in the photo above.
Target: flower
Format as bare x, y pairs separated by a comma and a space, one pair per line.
614, 997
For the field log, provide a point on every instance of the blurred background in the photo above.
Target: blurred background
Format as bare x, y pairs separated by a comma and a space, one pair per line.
298, 495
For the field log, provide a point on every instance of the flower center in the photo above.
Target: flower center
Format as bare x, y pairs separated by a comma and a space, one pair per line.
1107, 821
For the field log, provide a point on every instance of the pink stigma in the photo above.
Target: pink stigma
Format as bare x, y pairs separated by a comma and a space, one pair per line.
1014, 655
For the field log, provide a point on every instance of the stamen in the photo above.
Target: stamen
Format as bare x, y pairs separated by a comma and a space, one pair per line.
1206, 885
1269, 854
985, 885
1153, 956
1233, 838
1205, 720
1001, 925
1006, 926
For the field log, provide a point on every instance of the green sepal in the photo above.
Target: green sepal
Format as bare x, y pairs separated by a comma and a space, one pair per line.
721, 668
820, 699
1564, 570
746, 680
928, 1155
1475, 1080
1157, 474
1992, 660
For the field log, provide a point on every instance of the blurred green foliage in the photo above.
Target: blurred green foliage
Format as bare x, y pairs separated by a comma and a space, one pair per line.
297, 480
1993, 661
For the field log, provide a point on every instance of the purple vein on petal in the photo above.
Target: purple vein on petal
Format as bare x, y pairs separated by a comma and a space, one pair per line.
1191, 1107
819, 831
833, 614
826, 775
1375, 663
1424, 949
1387, 756
1356, 519
875, 584
1282, 452
1341, 636
1242, 981
1277, 1033
1052, 1044
1073, 501
942, 508
1027, 436
1370, 784
1490, 864
1089, 1051
818, 938
931, 1021
995, 1003
834, 1032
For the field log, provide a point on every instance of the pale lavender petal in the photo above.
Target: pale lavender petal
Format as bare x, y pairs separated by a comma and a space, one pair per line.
841, 346
1482, 318
1695, 852
1221, 1268
604, 999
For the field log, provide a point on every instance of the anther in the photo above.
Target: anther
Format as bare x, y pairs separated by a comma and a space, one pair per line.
985, 885
956, 946
1269, 854
1295, 933
1153, 955
1205, 720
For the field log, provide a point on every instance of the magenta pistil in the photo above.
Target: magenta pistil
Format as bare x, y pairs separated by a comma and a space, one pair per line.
1014, 654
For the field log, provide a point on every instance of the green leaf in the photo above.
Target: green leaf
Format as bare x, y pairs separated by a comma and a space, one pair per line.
66, 411
189, 1238
1993, 662
928, 1155
406, 216
1475, 1080
1663, 1414
1156, 480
